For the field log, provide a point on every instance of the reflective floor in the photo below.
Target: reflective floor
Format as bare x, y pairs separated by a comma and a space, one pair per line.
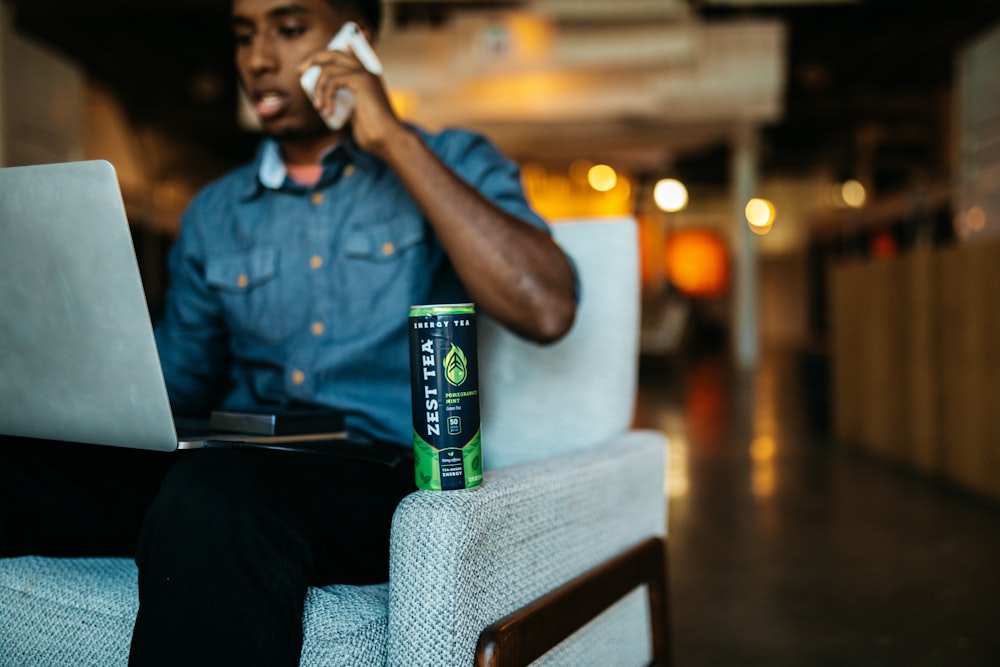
787, 549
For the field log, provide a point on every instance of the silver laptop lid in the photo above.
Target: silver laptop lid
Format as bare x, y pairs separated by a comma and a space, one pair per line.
78, 361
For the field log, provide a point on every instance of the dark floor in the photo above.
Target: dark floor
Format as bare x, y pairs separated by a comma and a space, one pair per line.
788, 549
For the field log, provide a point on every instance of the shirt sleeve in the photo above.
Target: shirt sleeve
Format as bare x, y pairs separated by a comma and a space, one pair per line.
497, 177
484, 167
192, 336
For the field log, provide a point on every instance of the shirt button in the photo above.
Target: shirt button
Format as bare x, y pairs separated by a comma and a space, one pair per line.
317, 198
388, 248
298, 377
349, 170
243, 280
318, 328
315, 261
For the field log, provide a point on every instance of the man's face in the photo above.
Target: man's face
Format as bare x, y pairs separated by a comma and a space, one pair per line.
272, 39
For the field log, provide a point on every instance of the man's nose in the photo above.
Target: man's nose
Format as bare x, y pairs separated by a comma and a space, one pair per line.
263, 55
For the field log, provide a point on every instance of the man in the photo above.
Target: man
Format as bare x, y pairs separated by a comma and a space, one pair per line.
290, 284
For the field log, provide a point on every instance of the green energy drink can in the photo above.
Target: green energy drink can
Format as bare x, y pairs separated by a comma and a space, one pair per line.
445, 383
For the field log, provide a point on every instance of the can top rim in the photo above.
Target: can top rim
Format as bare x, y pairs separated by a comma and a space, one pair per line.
442, 308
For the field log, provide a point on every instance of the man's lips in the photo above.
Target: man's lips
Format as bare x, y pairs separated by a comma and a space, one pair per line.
270, 103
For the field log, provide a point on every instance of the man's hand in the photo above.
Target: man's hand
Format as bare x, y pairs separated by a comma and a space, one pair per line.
374, 123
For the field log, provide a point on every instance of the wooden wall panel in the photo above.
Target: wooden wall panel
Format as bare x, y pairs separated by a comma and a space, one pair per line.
922, 362
991, 399
915, 355
845, 360
878, 347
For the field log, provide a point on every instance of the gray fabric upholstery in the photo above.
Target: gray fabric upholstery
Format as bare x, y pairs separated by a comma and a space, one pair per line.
79, 612
539, 401
619, 637
568, 486
461, 560
346, 626
57, 612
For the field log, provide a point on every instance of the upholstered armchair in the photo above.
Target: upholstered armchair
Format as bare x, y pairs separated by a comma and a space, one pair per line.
558, 558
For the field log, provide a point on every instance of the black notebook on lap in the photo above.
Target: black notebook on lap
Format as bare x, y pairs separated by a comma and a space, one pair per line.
282, 423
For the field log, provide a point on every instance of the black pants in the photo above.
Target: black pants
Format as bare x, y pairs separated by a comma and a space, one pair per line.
227, 541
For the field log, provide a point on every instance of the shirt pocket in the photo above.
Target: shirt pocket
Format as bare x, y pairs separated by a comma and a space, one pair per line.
383, 268
249, 286
383, 243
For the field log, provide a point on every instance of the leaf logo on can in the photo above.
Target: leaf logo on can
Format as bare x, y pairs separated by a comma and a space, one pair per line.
455, 366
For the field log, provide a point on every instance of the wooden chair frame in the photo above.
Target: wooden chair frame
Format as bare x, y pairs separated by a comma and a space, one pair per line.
526, 634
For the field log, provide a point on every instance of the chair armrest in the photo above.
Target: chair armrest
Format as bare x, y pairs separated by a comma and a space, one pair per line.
521, 637
460, 560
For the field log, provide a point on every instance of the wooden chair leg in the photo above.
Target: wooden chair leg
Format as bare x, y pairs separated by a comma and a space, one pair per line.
526, 634
659, 606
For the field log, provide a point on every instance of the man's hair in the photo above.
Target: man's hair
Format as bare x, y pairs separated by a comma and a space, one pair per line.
369, 11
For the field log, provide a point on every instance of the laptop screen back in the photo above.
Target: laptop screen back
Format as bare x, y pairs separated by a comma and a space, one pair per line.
78, 361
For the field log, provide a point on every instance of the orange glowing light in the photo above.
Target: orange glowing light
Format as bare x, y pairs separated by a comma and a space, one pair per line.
696, 261
762, 448
651, 244
883, 245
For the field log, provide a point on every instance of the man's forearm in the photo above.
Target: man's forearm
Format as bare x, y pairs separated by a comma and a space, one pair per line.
513, 270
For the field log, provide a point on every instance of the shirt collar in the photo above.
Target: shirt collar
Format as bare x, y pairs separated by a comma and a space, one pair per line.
269, 168
272, 172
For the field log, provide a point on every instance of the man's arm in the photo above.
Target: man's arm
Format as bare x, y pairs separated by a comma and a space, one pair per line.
512, 270
191, 335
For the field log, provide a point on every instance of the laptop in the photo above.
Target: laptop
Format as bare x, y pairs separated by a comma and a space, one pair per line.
78, 360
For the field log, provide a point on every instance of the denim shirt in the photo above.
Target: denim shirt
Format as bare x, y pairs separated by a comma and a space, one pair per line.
282, 294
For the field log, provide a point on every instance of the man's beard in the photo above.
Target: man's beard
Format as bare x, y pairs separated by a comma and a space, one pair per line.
286, 135
297, 134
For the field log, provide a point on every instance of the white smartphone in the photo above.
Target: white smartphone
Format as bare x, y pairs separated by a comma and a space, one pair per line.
349, 35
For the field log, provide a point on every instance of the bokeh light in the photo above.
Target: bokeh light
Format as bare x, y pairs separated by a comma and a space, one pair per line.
976, 218
762, 448
883, 245
696, 261
853, 193
602, 177
670, 195
760, 215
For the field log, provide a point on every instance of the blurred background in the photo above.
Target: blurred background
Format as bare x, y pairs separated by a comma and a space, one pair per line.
817, 185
